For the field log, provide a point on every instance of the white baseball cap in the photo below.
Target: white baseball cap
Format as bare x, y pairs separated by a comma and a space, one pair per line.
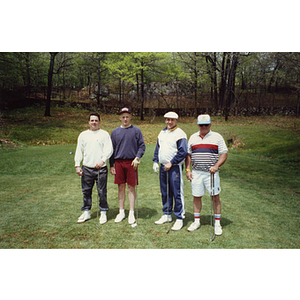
171, 115
203, 120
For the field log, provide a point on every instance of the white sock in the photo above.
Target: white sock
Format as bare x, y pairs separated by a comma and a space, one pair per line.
197, 217
131, 212
122, 211
103, 212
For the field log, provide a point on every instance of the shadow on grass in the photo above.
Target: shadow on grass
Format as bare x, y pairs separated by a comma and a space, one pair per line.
143, 213
205, 220
147, 213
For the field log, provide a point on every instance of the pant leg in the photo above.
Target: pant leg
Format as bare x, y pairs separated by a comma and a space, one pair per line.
101, 181
167, 208
176, 186
87, 184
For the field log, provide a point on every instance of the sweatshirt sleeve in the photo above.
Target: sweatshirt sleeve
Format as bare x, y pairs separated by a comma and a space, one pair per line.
112, 157
108, 148
79, 151
155, 158
181, 153
140, 144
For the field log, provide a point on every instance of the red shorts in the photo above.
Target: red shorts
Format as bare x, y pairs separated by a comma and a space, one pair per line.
125, 172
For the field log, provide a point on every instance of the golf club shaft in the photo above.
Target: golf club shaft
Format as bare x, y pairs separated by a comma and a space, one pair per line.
136, 198
167, 175
212, 207
98, 204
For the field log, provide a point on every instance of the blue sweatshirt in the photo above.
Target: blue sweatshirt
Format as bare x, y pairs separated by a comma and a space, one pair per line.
128, 143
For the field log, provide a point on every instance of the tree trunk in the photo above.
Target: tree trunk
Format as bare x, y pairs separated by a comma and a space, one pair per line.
28, 80
137, 88
228, 86
222, 88
120, 90
142, 92
196, 88
215, 85
49, 89
99, 83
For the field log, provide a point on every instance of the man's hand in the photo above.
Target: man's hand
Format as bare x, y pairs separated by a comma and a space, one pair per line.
189, 175
135, 163
168, 166
79, 171
213, 169
99, 165
112, 171
155, 167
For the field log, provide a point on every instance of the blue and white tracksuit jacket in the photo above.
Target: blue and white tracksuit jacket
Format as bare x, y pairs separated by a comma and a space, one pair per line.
171, 147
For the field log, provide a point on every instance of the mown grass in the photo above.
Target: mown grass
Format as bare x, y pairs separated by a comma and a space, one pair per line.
41, 196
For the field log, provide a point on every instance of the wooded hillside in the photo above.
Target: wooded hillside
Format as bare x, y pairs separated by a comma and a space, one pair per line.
149, 82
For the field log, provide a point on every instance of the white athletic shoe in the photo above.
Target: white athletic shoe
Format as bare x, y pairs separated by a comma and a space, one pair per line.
194, 226
120, 217
131, 218
218, 229
177, 225
84, 217
164, 219
102, 219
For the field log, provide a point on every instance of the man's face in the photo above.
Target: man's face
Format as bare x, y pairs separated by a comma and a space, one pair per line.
204, 129
94, 123
125, 119
171, 123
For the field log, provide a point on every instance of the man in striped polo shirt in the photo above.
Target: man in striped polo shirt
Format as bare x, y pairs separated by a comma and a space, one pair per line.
207, 152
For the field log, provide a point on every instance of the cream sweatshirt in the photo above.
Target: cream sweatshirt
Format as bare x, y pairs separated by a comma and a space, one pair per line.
93, 146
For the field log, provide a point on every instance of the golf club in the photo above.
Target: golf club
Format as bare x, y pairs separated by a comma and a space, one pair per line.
167, 174
98, 227
212, 207
136, 201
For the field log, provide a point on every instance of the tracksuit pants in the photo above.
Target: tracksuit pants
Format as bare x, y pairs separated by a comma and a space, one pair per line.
88, 179
175, 191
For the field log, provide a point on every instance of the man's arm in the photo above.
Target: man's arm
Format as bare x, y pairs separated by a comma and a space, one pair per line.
181, 153
140, 144
219, 163
188, 161
78, 156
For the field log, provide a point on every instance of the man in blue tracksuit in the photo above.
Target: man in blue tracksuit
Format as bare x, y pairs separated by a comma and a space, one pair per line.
170, 152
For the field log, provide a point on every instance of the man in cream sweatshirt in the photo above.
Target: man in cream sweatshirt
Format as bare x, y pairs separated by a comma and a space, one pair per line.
94, 148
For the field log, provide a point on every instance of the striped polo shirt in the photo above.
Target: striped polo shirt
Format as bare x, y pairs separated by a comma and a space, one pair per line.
205, 152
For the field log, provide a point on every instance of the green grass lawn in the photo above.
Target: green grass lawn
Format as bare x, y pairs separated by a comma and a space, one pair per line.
41, 196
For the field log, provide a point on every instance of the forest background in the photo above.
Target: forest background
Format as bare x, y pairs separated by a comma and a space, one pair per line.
150, 83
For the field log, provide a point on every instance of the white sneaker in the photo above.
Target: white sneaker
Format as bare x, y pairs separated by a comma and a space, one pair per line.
194, 226
120, 217
84, 217
177, 225
218, 229
164, 219
131, 218
102, 219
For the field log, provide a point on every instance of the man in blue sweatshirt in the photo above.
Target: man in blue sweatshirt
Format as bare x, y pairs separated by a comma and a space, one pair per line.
170, 152
129, 147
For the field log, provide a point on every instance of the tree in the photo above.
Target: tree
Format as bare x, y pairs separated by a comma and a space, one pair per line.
137, 68
291, 60
50, 77
194, 63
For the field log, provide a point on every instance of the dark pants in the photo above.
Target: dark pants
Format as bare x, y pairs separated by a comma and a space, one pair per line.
88, 179
175, 183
